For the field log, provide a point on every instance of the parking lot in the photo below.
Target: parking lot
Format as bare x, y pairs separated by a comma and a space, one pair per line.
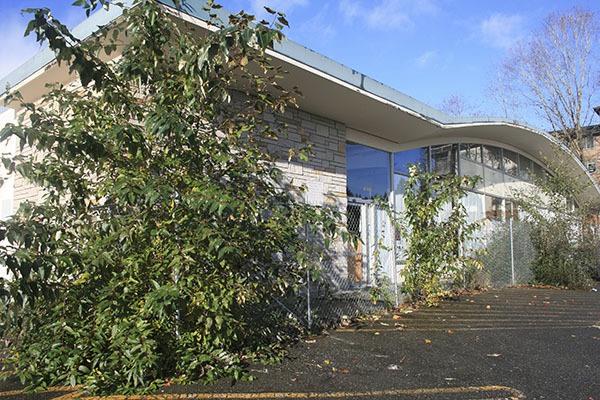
500, 344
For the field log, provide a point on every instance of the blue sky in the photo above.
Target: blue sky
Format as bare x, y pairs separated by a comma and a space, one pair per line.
427, 49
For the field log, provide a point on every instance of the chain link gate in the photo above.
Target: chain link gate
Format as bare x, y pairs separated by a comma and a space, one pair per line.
354, 279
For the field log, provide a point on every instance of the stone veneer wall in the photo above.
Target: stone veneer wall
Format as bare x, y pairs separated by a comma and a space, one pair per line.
324, 174
24, 190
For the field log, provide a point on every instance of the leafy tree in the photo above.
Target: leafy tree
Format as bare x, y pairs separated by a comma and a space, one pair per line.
554, 75
436, 230
166, 230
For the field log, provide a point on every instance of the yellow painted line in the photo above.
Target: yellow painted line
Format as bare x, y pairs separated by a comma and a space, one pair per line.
71, 391
502, 390
495, 310
488, 320
496, 318
501, 328
69, 396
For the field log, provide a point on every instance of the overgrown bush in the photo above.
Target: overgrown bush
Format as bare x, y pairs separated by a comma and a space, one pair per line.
436, 228
164, 233
563, 235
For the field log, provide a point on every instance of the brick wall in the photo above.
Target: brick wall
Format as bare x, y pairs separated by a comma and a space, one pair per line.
593, 153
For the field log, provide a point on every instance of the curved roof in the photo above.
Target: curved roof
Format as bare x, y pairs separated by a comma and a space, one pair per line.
370, 110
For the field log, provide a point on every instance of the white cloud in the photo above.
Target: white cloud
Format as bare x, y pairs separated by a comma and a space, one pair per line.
387, 14
318, 24
425, 58
350, 9
500, 30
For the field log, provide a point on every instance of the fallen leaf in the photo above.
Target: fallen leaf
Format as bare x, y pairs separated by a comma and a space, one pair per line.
451, 332
488, 307
327, 362
396, 316
293, 379
427, 341
377, 333
345, 371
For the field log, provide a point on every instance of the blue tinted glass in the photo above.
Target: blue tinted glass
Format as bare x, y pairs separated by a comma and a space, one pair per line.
368, 171
404, 158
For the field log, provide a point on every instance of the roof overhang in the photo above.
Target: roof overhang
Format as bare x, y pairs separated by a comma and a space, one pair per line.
372, 112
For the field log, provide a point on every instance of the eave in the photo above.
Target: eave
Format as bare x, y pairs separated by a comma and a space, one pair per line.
371, 111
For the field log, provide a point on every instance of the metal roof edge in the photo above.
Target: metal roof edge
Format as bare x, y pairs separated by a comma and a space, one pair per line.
296, 52
46, 56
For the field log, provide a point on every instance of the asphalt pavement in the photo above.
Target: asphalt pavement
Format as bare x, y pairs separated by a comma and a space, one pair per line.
513, 343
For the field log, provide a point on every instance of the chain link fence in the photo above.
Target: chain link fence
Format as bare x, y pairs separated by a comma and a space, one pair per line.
507, 255
364, 277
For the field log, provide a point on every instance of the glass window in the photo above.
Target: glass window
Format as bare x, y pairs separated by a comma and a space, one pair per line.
510, 159
470, 168
368, 171
443, 159
589, 141
539, 171
493, 208
493, 181
471, 151
475, 206
591, 166
399, 190
512, 211
492, 156
525, 168
403, 159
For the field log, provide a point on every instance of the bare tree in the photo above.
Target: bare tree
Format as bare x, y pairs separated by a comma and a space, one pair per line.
457, 106
554, 75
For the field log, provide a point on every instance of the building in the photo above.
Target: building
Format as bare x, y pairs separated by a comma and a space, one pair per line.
363, 135
591, 149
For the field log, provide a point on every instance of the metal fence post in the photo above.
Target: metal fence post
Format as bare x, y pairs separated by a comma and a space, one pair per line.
512, 253
308, 310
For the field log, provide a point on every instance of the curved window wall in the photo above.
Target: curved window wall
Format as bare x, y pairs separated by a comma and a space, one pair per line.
373, 172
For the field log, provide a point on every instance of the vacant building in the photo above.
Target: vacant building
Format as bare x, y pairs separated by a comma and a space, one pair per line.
363, 135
